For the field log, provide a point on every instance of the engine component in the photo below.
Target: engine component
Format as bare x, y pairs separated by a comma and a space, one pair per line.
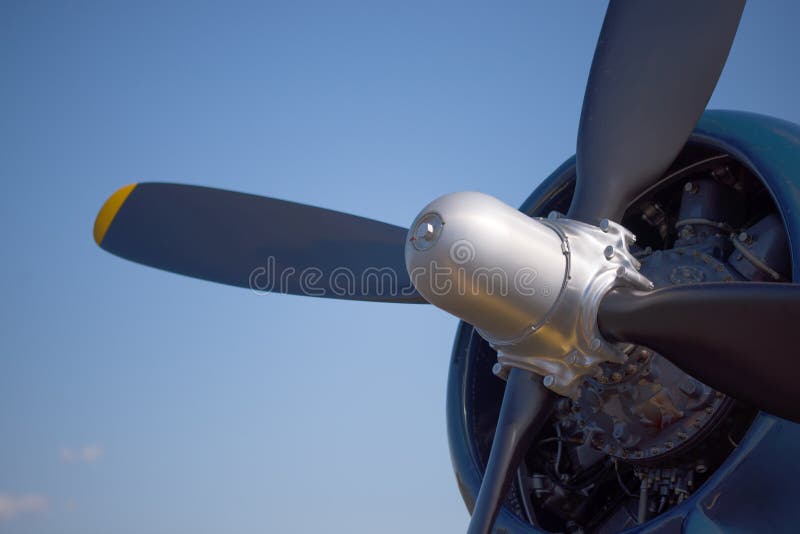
643, 410
762, 252
647, 408
642, 435
705, 204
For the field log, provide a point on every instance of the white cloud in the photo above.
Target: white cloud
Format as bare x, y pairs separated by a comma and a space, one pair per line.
14, 505
86, 454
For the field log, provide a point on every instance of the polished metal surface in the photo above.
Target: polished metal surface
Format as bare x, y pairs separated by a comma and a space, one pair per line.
530, 286
568, 345
491, 265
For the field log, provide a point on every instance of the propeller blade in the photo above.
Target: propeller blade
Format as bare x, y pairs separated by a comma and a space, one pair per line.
654, 69
740, 338
526, 407
255, 242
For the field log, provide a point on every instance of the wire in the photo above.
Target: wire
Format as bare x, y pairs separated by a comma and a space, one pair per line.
564, 440
700, 221
560, 448
628, 492
756, 261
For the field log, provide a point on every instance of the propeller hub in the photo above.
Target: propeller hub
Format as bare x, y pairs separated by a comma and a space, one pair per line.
531, 286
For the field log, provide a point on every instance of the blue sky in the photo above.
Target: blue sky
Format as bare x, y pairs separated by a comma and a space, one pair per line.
136, 401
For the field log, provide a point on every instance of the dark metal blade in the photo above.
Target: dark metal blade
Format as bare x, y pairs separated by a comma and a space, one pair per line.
261, 243
526, 407
741, 338
653, 72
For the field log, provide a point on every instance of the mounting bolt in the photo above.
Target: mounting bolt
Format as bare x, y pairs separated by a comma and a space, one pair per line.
500, 371
608, 252
605, 225
686, 232
690, 188
745, 238
548, 381
689, 387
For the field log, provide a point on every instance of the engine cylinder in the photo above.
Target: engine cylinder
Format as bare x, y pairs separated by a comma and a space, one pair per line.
485, 262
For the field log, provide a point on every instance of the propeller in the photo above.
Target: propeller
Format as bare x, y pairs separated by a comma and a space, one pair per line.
737, 337
256, 242
527, 405
654, 69
653, 72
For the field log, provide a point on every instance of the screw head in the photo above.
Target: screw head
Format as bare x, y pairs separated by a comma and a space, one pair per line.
548, 381
608, 252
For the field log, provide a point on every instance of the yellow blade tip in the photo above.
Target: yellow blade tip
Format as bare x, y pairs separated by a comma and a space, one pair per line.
109, 210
